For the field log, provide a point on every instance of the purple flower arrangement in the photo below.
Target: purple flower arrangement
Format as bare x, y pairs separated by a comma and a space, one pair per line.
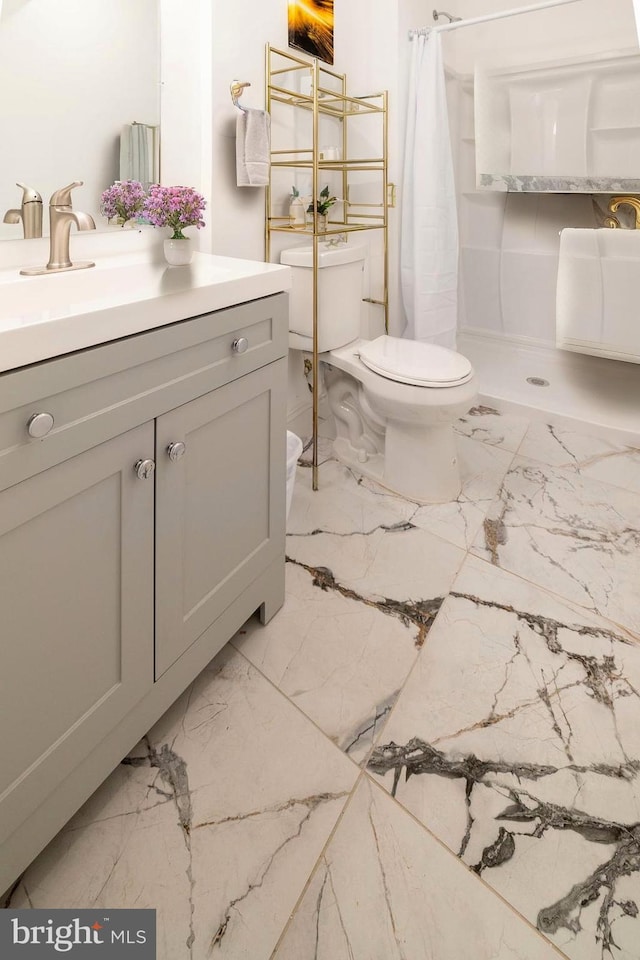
174, 207
124, 200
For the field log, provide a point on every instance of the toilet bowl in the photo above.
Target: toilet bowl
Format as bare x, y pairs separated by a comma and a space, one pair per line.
394, 401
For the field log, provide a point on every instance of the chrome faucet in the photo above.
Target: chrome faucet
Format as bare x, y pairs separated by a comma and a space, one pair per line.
61, 216
30, 213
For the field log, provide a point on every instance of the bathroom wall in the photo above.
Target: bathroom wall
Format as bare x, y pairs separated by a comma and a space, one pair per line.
583, 28
510, 242
199, 119
72, 74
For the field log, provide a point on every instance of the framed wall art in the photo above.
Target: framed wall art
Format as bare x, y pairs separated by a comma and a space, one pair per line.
311, 27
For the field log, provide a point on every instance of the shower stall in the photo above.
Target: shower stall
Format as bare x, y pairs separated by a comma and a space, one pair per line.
506, 257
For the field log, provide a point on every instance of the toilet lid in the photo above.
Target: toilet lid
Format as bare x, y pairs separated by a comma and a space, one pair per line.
420, 364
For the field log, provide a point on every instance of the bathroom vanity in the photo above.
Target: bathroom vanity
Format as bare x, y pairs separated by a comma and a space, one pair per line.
142, 500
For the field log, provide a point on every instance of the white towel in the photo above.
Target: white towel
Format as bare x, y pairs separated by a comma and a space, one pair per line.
136, 153
598, 292
253, 148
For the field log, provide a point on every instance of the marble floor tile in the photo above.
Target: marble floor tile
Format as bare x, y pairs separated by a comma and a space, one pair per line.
573, 535
594, 457
348, 503
515, 740
216, 820
325, 452
399, 567
357, 610
492, 427
385, 889
486, 692
482, 470
343, 504
359, 604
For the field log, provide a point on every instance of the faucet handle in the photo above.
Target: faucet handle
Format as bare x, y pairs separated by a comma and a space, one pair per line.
62, 197
29, 195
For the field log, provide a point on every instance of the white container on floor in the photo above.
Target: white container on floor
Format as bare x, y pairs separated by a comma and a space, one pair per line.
294, 450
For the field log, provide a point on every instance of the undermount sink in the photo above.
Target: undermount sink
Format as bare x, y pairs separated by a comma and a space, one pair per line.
62, 294
47, 316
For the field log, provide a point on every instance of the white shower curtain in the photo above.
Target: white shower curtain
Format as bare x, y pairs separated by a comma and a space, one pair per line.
429, 230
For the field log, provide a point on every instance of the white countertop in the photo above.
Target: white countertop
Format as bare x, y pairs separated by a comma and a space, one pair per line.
47, 316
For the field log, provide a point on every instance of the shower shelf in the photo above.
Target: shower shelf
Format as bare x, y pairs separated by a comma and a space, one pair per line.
321, 111
528, 183
620, 128
565, 126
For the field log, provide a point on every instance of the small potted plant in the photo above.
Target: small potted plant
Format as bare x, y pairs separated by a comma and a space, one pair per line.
123, 201
322, 206
176, 208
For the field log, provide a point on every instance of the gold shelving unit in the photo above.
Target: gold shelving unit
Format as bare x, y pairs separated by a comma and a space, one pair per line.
312, 92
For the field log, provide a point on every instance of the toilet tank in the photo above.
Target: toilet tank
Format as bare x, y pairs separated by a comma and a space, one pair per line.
339, 292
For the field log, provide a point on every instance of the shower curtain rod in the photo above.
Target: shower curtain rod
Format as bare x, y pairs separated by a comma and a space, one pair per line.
491, 16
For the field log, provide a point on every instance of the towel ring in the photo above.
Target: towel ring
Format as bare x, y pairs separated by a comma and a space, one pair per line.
236, 89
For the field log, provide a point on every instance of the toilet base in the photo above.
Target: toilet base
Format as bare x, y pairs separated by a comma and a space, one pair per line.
399, 435
421, 462
433, 475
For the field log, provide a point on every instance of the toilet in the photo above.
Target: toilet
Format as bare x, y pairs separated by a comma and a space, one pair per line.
394, 401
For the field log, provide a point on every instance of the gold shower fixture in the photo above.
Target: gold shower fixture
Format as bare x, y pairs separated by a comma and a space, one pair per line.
617, 202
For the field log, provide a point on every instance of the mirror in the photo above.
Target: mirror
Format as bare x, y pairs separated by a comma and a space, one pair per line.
74, 75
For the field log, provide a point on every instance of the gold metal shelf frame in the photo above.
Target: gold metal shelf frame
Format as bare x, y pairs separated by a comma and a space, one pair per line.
327, 97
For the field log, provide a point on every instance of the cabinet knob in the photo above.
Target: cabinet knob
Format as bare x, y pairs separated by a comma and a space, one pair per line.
39, 425
240, 345
176, 450
144, 469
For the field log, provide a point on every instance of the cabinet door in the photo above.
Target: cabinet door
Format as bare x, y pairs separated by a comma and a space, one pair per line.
219, 506
76, 601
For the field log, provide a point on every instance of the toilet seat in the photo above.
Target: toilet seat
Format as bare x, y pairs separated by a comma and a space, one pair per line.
416, 363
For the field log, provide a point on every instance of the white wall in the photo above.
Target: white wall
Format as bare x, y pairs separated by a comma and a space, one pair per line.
576, 29
186, 128
365, 49
72, 73
510, 242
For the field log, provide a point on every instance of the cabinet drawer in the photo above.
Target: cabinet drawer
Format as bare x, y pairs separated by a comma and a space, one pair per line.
98, 393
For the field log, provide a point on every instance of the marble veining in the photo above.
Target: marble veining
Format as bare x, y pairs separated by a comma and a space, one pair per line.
515, 741
532, 184
384, 889
430, 752
350, 629
576, 536
417, 613
490, 426
593, 457
195, 824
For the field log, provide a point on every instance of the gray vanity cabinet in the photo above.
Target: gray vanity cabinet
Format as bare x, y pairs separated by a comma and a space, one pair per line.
137, 534
76, 589
217, 500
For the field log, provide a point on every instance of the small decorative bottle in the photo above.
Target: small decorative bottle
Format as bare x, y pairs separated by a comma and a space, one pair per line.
296, 210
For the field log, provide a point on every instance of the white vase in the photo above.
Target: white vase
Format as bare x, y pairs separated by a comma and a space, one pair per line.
178, 252
297, 214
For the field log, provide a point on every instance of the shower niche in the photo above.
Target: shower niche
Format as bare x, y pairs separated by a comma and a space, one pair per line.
560, 127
